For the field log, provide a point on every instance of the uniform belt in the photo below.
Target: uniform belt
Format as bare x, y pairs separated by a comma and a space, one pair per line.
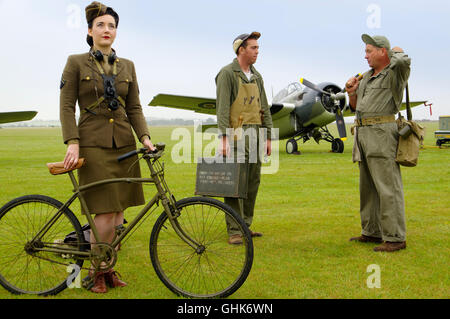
367, 121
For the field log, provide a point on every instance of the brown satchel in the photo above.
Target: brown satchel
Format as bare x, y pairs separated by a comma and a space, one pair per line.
411, 135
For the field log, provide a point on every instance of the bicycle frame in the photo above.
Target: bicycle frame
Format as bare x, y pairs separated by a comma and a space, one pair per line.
157, 178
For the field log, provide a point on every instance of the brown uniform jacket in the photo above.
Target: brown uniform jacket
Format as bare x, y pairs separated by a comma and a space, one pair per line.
82, 82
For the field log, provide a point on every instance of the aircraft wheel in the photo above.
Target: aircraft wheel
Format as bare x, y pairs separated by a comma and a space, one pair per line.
292, 147
337, 146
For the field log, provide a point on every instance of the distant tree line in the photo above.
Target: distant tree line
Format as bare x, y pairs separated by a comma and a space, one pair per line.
150, 122
177, 122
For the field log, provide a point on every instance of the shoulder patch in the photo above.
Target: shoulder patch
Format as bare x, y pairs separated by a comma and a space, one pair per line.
63, 82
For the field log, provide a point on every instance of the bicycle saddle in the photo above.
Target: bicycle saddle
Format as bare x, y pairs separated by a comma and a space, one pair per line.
58, 168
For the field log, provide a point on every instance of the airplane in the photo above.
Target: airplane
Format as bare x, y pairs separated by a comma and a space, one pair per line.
300, 113
11, 117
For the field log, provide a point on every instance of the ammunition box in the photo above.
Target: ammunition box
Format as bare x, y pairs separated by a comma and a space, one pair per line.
217, 178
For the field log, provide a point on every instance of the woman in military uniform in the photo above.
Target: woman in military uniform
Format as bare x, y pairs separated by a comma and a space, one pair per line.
107, 93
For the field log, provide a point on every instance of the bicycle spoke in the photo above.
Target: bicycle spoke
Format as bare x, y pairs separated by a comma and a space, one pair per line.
216, 268
23, 268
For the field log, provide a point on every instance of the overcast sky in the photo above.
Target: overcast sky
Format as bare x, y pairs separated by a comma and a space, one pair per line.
179, 46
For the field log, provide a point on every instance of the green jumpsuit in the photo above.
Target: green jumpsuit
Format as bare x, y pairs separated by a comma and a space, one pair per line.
382, 205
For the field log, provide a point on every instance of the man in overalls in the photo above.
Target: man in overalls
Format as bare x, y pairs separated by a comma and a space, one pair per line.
241, 107
377, 98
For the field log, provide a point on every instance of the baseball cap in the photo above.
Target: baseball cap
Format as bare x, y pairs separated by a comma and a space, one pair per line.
377, 40
240, 39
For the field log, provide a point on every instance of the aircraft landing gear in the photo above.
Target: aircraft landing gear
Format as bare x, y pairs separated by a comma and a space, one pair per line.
337, 146
318, 134
292, 147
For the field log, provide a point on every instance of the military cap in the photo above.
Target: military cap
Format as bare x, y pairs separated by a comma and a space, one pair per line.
94, 10
240, 39
378, 41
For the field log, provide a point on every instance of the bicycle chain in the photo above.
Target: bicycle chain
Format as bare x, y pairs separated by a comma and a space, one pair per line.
90, 258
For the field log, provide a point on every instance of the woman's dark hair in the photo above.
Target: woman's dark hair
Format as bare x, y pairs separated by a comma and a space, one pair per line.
109, 11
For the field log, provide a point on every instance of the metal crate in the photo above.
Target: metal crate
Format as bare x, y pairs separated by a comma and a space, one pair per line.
217, 179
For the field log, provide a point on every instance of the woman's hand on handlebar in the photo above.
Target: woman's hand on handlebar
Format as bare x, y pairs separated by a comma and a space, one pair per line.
148, 144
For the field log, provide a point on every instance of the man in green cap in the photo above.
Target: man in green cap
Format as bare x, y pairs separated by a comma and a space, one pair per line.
241, 108
377, 97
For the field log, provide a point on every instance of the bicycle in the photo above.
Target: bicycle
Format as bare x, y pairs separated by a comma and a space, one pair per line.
188, 244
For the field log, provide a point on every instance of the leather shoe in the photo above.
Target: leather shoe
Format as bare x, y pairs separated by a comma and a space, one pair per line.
367, 239
99, 283
391, 246
112, 280
235, 240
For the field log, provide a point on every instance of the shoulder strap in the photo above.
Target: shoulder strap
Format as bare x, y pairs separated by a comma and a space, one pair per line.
100, 68
408, 107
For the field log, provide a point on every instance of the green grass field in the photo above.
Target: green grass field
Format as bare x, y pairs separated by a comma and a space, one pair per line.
307, 211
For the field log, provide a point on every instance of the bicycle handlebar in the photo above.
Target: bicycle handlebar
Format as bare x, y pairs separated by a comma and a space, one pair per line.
156, 153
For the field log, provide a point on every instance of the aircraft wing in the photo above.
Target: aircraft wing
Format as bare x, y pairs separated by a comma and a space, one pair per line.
348, 112
208, 105
412, 104
10, 117
197, 104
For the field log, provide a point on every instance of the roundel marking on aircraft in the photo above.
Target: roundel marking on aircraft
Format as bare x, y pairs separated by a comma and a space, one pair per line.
207, 105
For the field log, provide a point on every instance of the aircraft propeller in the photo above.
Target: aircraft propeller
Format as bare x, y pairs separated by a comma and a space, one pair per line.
337, 96
340, 123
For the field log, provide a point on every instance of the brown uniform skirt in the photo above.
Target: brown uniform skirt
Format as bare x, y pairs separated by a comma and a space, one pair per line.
101, 164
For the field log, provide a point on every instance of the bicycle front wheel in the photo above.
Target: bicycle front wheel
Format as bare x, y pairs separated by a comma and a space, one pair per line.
215, 269
24, 267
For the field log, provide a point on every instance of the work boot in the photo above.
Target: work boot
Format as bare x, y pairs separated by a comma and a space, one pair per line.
367, 239
99, 282
391, 246
235, 240
113, 280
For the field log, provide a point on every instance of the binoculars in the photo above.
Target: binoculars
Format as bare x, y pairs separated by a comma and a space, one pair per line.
110, 92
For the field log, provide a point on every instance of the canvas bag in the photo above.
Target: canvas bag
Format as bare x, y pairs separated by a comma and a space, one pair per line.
411, 135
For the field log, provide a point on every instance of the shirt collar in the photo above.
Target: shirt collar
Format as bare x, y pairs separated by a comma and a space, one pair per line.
382, 72
237, 68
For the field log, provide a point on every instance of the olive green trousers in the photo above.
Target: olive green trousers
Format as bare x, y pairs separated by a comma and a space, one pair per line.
382, 206
246, 207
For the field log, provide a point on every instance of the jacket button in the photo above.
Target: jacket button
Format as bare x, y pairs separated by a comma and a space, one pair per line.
111, 121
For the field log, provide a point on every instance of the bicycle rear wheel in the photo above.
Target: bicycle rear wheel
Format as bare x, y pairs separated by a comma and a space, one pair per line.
216, 269
25, 270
